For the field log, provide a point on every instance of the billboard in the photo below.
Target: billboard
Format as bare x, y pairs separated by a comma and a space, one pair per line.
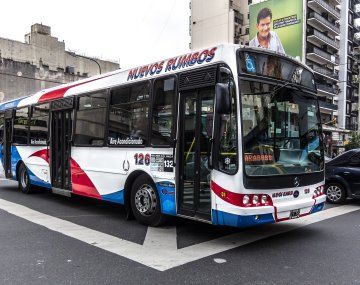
278, 25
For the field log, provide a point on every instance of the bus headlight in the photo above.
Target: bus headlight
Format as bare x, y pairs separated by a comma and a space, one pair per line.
255, 199
246, 200
263, 199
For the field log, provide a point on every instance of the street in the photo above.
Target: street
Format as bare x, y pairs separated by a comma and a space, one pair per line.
51, 239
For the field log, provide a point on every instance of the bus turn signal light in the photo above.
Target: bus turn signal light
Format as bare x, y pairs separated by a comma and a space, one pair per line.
318, 191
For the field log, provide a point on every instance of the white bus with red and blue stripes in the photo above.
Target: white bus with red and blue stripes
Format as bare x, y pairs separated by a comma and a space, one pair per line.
228, 135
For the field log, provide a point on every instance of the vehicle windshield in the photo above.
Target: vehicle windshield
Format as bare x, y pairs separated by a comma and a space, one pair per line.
281, 130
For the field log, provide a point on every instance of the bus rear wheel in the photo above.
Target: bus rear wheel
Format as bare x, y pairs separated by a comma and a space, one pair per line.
145, 202
24, 179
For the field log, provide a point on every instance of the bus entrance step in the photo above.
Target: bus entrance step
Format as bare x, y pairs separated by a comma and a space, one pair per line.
63, 192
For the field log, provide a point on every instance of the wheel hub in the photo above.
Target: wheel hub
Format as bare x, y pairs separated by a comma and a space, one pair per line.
145, 200
24, 179
333, 193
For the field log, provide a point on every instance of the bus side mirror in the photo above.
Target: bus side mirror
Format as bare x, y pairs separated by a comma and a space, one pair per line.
222, 99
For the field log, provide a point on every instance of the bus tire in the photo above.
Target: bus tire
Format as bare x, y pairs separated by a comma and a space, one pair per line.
145, 202
24, 179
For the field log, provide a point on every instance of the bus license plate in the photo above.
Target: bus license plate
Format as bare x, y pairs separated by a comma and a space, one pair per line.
294, 214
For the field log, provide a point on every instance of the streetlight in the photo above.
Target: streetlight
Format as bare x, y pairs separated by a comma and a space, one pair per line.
89, 58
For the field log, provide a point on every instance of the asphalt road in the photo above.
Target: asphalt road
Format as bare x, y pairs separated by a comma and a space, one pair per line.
50, 239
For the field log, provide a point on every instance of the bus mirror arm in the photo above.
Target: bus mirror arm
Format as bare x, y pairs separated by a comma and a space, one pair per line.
222, 99
210, 160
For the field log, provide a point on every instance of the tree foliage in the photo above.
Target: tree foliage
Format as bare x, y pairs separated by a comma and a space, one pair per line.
354, 141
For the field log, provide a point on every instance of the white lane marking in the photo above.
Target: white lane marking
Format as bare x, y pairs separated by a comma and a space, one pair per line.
160, 238
155, 253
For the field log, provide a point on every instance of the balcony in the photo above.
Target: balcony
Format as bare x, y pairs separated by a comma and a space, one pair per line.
356, 28
317, 38
338, 2
355, 107
238, 18
322, 24
329, 74
327, 106
317, 55
234, 6
328, 90
322, 6
355, 98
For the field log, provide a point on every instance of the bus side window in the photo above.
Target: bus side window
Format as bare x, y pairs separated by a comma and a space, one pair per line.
128, 116
21, 126
162, 111
228, 155
91, 119
39, 123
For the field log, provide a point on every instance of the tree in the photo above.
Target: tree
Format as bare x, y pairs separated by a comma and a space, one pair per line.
354, 141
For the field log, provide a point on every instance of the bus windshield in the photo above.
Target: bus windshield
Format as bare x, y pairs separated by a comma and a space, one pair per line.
281, 130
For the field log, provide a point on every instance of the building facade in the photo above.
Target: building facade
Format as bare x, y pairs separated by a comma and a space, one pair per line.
42, 62
331, 46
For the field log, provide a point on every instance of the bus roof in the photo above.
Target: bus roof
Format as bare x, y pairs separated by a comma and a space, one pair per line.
191, 60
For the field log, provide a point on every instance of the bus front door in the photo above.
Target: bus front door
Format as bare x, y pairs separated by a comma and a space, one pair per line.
60, 150
195, 126
6, 157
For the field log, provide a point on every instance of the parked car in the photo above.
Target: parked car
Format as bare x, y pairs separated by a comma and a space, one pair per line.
342, 176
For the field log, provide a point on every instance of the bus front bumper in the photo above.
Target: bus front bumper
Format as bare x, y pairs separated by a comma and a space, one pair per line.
247, 217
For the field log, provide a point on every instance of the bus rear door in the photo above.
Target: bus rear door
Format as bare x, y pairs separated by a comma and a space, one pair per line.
60, 145
6, 148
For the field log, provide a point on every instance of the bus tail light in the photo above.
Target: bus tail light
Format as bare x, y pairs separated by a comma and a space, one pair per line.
318, 191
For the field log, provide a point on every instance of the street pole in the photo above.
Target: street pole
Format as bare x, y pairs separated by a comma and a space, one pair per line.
89, 58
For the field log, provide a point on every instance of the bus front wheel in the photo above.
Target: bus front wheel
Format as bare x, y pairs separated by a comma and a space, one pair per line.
145, 202
24, 180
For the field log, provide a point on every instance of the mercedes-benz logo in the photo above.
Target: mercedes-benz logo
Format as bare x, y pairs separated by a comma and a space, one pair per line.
296, 194
296, 182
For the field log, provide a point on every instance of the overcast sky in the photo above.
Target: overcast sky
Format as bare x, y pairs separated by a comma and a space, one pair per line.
135, 32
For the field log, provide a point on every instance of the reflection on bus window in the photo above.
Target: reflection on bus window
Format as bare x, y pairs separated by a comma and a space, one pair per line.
91, 119
39, 124
21, 126
281, 130
129, 109
162, 111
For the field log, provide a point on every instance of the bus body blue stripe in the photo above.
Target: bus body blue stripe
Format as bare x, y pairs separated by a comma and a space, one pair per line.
116, 197
166, 192
15, 158
232, 220
317, 208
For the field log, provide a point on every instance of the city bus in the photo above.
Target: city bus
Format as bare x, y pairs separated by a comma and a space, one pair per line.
228, 135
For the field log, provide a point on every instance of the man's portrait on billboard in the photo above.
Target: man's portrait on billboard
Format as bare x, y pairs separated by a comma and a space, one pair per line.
265, 38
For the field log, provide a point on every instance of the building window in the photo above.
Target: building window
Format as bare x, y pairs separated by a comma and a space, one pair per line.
39, 123
129, 110
91, 119
21, 126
